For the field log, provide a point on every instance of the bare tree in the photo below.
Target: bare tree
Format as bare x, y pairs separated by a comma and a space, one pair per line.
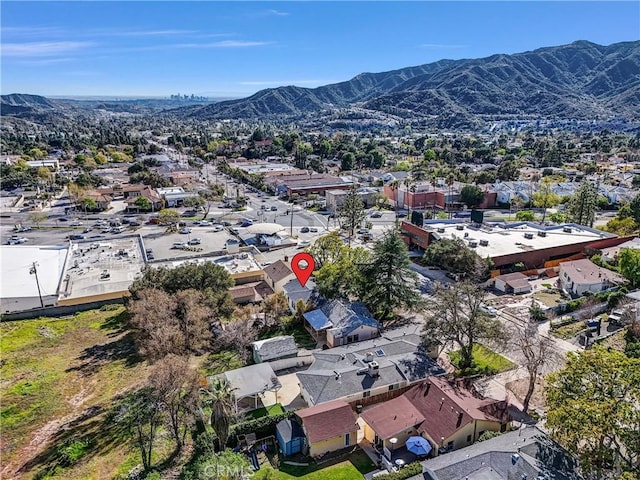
156, 332
453, 317
238, 336
176, 386
536, 349
193, 317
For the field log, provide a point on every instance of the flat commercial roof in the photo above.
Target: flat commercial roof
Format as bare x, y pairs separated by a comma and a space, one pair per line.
16, 262
242, 262
510, 238
101, 268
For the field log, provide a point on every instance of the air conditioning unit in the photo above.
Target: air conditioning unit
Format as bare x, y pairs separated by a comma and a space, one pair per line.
373, 369
484, 243
542, 234
473, 244
459, 227
440, 229
567, 230
528, 235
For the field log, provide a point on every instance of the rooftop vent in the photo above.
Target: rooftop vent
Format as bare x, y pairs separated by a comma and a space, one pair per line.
440, 229
473, 244
373, 369
567, 230
484, 243
459, 227
368, 357
542, 234
528, 235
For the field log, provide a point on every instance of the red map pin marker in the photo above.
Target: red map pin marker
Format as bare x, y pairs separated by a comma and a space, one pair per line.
302, 273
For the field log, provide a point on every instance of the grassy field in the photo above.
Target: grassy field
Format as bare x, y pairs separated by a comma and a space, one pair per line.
269, 411
59, 377
352, 469
485, 361
569, 331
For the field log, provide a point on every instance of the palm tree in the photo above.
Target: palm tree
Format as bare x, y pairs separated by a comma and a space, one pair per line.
220, 398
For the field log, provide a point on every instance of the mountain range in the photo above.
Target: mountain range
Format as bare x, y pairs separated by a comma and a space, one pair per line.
582, 81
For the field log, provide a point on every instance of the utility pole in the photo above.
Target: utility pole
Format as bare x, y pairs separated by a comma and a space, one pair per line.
34, 271
291, 226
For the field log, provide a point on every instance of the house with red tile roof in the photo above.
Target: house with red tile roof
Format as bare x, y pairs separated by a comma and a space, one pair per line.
448, 415
328, 427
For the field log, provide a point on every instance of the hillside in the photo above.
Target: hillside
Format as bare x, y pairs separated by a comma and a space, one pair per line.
581, 80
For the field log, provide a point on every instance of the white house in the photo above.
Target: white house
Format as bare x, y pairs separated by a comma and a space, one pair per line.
581, 276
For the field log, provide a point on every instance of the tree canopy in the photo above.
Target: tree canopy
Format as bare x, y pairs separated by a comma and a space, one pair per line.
454, 256
594, 410
582, 205
471, 195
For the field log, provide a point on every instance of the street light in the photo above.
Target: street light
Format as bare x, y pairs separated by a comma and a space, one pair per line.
34, 271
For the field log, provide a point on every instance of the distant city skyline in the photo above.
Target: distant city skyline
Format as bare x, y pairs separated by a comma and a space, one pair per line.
234, 49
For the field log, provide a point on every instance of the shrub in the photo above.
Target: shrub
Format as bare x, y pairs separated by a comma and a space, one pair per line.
262, 427
408, 471
488, 435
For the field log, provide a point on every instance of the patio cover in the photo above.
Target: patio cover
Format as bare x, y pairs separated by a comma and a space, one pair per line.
318, 320
252, 380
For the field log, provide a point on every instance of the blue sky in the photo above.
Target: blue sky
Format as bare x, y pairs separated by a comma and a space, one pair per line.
237, 48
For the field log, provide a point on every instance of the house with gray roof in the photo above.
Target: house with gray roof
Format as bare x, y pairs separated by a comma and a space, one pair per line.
368, 372
295, 292
339, 323
275, 348
527, 453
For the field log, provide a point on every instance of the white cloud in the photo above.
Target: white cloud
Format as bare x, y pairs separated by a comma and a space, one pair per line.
41, 49
222, 44
277, 13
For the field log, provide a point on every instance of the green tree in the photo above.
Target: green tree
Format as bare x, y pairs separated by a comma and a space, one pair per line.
168, 216
452, 255
342, 276
557, 217
89, 204
471, 195
143, 203
525, 216
194, 202
509, 169
593, 409
629, 263
389, 282
141, 412
347, 162
545, 198
453, 318
582, 205
37, 218
352, 212
621, 227
219, 397
327, 249
634, 209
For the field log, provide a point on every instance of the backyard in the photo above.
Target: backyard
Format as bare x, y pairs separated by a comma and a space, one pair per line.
354, 467
485, 361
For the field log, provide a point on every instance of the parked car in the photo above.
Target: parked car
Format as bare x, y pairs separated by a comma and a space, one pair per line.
304, 230
246, 223
185, 231
205, 223
234, 231
218, 228
87, 230
15, 240
226, 224
274, 209
304, 243
194, 241
134, 223
492, 312
314, 229
63, 219
179, 244
76, 236
376, 215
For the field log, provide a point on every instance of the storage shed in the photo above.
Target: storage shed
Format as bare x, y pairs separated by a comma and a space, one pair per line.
290, 436
274, 348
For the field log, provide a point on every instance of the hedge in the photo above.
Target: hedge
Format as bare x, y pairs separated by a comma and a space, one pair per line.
407, 471
262, 427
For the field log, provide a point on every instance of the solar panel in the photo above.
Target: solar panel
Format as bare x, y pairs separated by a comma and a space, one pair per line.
380, 353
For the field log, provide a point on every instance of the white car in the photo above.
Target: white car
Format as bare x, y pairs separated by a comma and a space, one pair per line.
185, 231
304, 243
218, 228
492, 312
16, 240
194, 241
75, 223
205, 223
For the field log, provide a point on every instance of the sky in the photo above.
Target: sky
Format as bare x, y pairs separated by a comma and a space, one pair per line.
234, 49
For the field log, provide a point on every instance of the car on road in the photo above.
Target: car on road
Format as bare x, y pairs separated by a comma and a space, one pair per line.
491, 311
263, 207
15, 240
185, 231
304, 243
194, 241
134, 223
63, 219
76, 223
205, 223
119, 229
304, 230
226, 224
218, 228
274, 208
376, 215
246, 223
313, 229
77, 236
21, 229
87, 230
